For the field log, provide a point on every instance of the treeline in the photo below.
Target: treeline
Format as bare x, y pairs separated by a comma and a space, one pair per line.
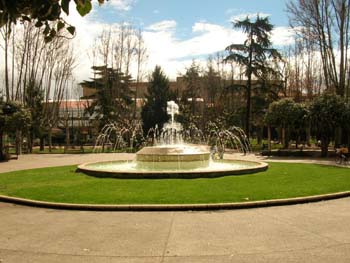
246, 85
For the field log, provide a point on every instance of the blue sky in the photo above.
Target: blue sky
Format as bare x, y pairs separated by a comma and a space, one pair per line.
188, 12
178, 31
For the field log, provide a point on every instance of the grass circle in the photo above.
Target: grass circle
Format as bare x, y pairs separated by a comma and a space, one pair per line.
281, 180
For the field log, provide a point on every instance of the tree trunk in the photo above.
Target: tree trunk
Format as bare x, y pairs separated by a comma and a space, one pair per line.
308, 136
30, 141
42, 143
67, 137
286, 138
269, 138
324, 147
7, 85
2, 154
338, 137
248, 106
50, 139
283, 138
18, 142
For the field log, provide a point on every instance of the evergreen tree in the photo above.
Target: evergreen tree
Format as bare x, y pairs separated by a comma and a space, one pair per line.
158, 94
113, 97
253, 54
211, 94
34, 103
188, 109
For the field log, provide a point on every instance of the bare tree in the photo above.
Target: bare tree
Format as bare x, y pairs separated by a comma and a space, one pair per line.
60, 61
130, 47
104, 44
326, 23
122, 48
6, 35
141, 58
47, 66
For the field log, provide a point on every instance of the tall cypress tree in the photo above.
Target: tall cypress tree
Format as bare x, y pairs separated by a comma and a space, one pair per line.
158, 93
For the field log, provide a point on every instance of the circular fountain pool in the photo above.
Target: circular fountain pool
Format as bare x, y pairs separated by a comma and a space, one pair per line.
176, 161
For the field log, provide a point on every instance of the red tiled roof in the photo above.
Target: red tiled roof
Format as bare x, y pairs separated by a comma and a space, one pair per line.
75, 104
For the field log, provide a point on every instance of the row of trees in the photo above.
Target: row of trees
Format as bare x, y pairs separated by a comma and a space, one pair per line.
303, 76
117, 53
324, 27
235, 88
38, 72
38, 75
321, 118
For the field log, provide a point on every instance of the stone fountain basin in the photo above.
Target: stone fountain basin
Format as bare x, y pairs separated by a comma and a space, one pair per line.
161, 170
174, 153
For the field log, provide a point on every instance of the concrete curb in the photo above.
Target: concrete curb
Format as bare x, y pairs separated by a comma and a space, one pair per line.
175, 207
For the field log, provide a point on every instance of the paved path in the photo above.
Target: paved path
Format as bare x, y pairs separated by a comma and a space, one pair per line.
49, 160
318, 232
31, 161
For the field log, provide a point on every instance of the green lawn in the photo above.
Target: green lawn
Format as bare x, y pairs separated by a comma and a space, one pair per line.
281, 180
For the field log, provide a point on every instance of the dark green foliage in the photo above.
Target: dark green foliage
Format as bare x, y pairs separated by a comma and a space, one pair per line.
346, 124
189, 114
158, 94
286, 113
289, 115
42, 12
255, 54
264, 93
13, 117
346, 118
328, 112
33, 102
113, 97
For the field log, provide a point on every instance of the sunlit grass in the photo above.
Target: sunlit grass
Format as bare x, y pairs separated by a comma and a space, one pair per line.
281, 180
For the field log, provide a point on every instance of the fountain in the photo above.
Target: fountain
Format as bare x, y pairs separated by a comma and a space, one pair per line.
171, 158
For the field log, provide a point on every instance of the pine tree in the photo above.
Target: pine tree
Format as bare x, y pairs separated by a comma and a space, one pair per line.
189, 114
253, 54
154, 111
113, 97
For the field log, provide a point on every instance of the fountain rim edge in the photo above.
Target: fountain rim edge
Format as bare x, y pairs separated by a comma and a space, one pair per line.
176, 174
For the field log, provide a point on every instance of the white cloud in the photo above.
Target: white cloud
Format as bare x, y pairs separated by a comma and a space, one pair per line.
282, 36
174, 54
163, 47
162, 26
87, 31
205, 27
121, 5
